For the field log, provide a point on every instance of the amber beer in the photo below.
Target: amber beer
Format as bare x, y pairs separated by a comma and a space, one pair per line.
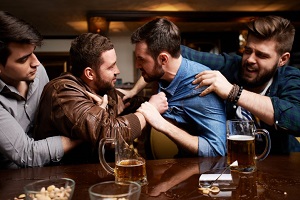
242, 149
131, 170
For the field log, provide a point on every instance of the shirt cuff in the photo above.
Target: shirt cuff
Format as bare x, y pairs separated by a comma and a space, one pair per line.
204, 149
135, 125
55, 148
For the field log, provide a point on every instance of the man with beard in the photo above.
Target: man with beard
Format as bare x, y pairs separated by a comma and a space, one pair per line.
67, 107
196, 124
265, 87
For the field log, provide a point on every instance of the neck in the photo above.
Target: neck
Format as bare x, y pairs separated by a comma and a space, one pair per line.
171, 68
21, 86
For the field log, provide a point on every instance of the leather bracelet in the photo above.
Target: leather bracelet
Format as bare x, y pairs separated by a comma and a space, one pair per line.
233, 93
230, 94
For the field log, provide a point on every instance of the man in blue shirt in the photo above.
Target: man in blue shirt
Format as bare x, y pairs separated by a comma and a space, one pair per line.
271, 90
199, 121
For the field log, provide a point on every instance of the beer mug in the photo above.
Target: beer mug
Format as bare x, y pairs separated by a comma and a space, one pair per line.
241, 145
129, 165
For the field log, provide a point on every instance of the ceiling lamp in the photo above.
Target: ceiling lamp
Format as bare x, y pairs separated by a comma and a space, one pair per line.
98, 25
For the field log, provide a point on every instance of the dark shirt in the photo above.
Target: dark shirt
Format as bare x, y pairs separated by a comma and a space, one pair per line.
284, 93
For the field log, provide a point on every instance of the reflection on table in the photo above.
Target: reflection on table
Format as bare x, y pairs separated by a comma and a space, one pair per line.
277, 177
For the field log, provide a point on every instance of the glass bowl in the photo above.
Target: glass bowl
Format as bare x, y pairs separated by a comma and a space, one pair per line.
60, 188
115, 191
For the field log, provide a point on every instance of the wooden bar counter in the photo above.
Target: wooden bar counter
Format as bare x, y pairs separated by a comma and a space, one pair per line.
277, 177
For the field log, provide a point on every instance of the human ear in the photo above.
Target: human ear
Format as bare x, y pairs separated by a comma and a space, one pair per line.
284, 59
163, 58
89, 73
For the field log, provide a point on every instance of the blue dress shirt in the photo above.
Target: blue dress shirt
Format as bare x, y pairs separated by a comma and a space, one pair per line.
199, 116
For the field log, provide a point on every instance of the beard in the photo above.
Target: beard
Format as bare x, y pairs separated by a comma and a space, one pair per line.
102, 85
261, 79
155, 75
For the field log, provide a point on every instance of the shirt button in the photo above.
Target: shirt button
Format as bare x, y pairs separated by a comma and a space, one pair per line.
26, 105
276, 122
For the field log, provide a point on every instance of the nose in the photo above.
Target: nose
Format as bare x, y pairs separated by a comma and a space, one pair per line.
251, 58
117, 71
34, 61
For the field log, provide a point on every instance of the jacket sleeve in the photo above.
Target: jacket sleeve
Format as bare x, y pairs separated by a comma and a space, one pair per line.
227, 64
76, 115
286, 100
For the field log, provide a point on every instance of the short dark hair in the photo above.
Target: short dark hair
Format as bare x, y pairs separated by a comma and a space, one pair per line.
273, 28
13, 29
160, 35
85, 52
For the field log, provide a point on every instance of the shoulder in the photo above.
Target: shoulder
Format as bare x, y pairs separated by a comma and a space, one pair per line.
287, 79
194, 65
65, 82
41, 75
288, 71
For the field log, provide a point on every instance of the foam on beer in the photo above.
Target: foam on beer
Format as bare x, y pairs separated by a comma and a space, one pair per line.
241, 137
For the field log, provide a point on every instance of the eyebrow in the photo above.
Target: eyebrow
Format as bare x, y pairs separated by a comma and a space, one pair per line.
23, 57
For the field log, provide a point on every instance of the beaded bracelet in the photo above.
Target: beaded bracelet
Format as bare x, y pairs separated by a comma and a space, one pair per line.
234, 94
237, 97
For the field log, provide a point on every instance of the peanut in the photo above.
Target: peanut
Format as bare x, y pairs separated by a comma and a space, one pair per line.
213, 189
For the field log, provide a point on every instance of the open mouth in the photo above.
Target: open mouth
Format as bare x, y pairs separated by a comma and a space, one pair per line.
250, 70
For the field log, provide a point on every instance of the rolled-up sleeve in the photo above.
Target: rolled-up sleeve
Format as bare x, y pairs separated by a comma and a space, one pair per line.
55, 148
22, 150
286, 101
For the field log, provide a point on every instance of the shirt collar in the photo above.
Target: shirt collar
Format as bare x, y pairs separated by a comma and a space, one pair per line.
2, 84
32, 86
267, 87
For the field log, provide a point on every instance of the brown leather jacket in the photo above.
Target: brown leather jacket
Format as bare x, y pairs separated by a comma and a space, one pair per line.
66, 109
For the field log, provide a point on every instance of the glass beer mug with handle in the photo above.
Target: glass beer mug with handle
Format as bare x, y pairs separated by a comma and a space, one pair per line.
241, 144
129, 165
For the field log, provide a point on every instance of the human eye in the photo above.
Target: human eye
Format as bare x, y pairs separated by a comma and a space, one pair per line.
262, 55
112, 67
247, 50
23, 59
140, 59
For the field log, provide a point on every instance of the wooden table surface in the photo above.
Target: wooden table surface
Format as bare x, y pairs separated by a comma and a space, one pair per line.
277, 177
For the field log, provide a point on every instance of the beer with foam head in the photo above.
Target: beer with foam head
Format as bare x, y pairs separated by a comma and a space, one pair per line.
129, 165
242, 149
131, 170
241, 145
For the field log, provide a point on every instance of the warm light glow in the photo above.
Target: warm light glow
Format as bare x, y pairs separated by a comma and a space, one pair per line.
118, 26
98, 25
242, 40
171, 7
80, 26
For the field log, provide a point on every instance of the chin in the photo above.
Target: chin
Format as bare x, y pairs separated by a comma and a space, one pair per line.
31, 78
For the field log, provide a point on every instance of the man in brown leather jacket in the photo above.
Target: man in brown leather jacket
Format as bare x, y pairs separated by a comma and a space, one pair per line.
66, 107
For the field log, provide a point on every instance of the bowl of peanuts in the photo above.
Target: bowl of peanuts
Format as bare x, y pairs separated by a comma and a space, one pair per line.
50, 189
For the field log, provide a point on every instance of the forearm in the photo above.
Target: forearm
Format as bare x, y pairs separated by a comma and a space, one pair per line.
139, 85
259, 105
180, 137
69, 144
142, 119
22, 150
